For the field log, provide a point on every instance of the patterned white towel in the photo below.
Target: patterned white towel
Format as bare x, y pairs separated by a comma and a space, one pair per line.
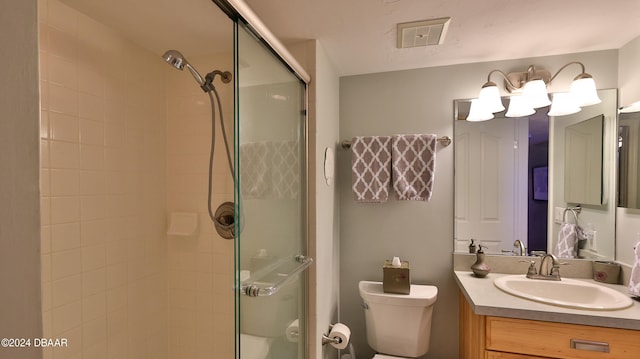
568, 236
371, 168
256, 170
285, 171
634, 282
413, 163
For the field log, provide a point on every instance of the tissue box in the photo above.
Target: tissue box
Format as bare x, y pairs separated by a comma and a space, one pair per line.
606, 272
396, 279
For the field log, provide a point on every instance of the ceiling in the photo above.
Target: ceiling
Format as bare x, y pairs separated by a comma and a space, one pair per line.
359, 36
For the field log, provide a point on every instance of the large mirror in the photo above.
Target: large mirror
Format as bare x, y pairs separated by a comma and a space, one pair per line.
511, 179
629, 160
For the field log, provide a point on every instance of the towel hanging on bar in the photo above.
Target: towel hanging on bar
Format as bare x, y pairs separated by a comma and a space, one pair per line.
413, 164
371, 168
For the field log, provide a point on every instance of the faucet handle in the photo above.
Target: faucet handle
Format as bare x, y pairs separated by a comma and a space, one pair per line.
532, 267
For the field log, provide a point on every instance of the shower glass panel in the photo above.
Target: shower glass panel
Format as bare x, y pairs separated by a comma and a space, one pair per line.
271, 240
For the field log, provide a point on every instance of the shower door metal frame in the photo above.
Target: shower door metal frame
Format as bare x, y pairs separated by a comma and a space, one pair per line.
240, 11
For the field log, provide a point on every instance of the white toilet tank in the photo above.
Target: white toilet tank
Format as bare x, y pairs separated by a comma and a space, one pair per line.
398, 324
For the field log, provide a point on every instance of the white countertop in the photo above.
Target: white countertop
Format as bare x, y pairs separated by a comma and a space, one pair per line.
486, 299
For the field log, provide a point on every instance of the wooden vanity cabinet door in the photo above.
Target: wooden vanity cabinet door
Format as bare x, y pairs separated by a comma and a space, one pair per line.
502, 355
553, 340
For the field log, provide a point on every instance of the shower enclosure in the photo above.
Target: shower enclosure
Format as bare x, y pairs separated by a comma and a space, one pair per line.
125, 144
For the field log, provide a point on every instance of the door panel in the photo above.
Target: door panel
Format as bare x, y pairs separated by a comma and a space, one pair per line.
271, 243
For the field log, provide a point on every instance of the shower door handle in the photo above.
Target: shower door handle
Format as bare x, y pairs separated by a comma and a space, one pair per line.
265, 289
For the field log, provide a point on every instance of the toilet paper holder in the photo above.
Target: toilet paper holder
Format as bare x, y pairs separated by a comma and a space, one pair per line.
326, 339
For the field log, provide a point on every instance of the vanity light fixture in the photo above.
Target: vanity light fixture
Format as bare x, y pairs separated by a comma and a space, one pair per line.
634, 107
533, 86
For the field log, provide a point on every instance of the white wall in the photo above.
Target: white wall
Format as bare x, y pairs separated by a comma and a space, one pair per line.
629, 72
327, 269
418, 101
324, 225
19, 195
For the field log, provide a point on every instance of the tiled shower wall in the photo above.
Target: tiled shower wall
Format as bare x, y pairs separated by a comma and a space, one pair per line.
200, 266
103, 190
125, 142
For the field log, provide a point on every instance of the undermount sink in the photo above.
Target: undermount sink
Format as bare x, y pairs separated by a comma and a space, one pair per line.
565, 293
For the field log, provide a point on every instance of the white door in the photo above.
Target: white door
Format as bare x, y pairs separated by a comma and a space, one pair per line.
491, 182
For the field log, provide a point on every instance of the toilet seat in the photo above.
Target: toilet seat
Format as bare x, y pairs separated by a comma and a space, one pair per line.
382, 356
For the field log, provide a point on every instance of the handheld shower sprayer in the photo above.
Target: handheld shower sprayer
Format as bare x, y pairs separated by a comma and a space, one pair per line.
224, 218
177, 60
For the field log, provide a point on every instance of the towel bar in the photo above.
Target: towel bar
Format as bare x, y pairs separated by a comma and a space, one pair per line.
444, 140
574, 210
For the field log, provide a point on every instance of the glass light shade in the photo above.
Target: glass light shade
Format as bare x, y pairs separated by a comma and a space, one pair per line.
490, 97
584, 90
478, 112
634, 107
519, 107
564, 103
535, 92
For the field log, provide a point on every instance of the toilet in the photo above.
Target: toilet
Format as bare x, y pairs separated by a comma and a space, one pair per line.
398, 325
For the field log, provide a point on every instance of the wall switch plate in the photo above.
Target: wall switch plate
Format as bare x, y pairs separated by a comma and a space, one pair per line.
558, 212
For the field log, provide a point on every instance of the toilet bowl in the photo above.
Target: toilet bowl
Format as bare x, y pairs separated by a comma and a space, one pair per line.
382, 356
253, 347
398, 325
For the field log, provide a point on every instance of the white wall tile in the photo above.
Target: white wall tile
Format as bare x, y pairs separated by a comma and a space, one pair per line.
64, 182
66, 290
91, 132
63, 127
62, 72
93, 307
66, 317
65, 264
93, 282
64, 154
65, 210
63, 99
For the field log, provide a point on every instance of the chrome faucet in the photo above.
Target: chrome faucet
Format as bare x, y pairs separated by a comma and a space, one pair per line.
518, 249
544, 272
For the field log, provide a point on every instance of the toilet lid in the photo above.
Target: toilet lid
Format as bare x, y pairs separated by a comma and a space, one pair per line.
382, 356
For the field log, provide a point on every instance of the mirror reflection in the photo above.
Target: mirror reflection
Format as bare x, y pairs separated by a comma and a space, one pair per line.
629, 160
583, 162
510, 181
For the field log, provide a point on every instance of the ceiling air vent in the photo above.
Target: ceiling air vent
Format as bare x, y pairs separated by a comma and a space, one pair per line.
422, 33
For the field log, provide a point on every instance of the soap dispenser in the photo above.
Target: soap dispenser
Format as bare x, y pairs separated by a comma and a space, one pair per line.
480, 268
472, 247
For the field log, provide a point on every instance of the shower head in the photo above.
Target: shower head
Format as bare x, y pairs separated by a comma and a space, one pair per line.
177, 60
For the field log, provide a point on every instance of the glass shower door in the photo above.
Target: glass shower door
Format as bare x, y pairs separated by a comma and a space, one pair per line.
271, 228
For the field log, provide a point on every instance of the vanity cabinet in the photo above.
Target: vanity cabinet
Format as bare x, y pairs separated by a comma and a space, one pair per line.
488, 337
